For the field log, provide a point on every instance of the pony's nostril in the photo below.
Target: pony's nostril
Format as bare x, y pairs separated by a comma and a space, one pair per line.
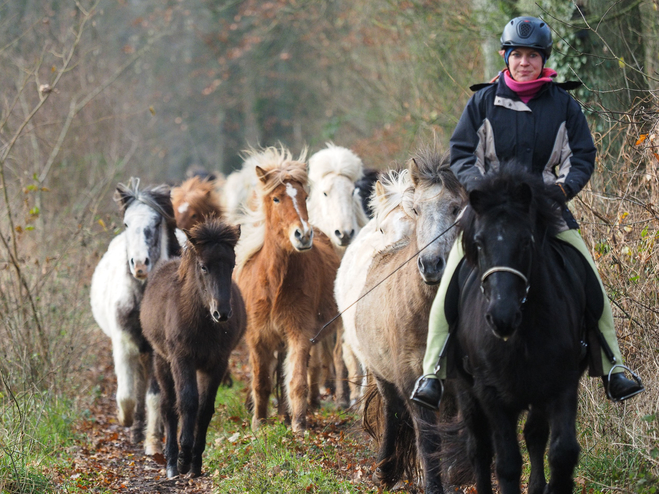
490, 320
298, 234
419, 263
352, 233
132, 261
217, 316
337, 233
146, 261
440, 264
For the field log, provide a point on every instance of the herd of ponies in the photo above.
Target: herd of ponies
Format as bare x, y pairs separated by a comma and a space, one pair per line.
272, 254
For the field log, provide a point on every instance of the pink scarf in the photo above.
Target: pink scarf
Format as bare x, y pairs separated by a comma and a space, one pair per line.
527, 90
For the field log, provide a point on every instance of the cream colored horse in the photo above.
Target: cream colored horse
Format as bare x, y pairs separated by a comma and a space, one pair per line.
335, 208
392, 222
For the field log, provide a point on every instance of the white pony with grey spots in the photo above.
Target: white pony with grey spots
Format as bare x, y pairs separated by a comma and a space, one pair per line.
117, 288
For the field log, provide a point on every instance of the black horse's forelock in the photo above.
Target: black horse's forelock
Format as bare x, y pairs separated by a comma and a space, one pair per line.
499, 194
214, 231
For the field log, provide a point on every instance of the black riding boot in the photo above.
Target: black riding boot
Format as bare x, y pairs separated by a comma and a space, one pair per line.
428, 392
619, 388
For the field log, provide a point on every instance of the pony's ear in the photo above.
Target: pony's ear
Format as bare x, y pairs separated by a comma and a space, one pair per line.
261, 173
125, 194
523, 195
414, 171
476, 200
379, 190
191, 239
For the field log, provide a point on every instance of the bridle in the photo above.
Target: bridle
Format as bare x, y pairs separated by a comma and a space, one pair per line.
508, 269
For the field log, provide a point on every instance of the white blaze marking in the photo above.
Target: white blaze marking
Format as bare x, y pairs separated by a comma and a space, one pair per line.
183, 207
292, 193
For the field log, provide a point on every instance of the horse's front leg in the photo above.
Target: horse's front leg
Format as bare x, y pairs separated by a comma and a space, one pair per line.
168, 412
295, 371
208, 385
479, 440
563, 447
536, 433
428, 441
342, 370
142, 375
125, 354
389, 467
508, 462
260, 358
187, 400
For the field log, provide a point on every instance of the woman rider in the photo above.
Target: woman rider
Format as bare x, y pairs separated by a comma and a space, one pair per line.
526, 118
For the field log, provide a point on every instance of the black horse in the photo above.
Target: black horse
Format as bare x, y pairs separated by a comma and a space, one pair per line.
519, 333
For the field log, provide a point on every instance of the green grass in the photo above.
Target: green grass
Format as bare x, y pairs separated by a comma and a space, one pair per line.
34, 429
323, 460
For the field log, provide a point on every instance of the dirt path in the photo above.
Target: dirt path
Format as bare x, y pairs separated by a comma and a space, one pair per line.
109, 461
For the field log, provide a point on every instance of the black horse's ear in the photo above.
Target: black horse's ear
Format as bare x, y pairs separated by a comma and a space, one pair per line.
523, 195
476, 200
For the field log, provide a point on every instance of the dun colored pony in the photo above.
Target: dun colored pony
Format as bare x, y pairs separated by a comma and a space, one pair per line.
391, 323
286, 272
193, 316
116, 293
391, 224
519, 331
194, 200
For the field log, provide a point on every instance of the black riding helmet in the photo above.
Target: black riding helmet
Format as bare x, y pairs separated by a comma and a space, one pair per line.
528, 32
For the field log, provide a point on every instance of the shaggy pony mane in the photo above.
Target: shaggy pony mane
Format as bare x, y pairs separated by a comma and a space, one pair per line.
279, 167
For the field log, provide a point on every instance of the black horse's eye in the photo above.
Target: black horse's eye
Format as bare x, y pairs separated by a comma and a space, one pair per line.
275, 200
204, 269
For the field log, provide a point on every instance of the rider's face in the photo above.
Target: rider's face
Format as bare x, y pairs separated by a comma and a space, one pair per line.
525, 64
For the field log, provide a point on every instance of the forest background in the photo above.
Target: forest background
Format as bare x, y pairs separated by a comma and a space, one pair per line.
93, 92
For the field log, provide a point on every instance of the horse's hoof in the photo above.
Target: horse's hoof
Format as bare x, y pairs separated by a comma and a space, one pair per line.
195, 470
172, 471
137, 433
384, 478
183, 466
299, 426
126, 412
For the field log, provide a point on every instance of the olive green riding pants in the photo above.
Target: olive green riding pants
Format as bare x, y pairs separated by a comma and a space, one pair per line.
438, 329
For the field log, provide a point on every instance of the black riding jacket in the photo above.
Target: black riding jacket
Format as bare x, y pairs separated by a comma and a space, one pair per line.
549, 135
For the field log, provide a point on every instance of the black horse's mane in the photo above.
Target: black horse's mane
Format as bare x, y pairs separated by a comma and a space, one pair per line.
516, 193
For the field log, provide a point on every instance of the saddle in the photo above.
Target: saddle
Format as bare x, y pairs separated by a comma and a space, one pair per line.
579, 272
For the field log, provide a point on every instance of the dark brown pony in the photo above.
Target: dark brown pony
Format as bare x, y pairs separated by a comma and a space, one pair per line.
193, 316
286, 273
194, 200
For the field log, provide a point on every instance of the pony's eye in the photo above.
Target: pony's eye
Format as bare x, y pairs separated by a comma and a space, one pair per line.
415, 211
381, 231
125, 225
204, 269
194, 215
325, 194
275, 200
456, 210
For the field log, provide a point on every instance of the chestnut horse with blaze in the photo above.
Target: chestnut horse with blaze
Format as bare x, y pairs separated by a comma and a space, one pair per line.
286, 273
